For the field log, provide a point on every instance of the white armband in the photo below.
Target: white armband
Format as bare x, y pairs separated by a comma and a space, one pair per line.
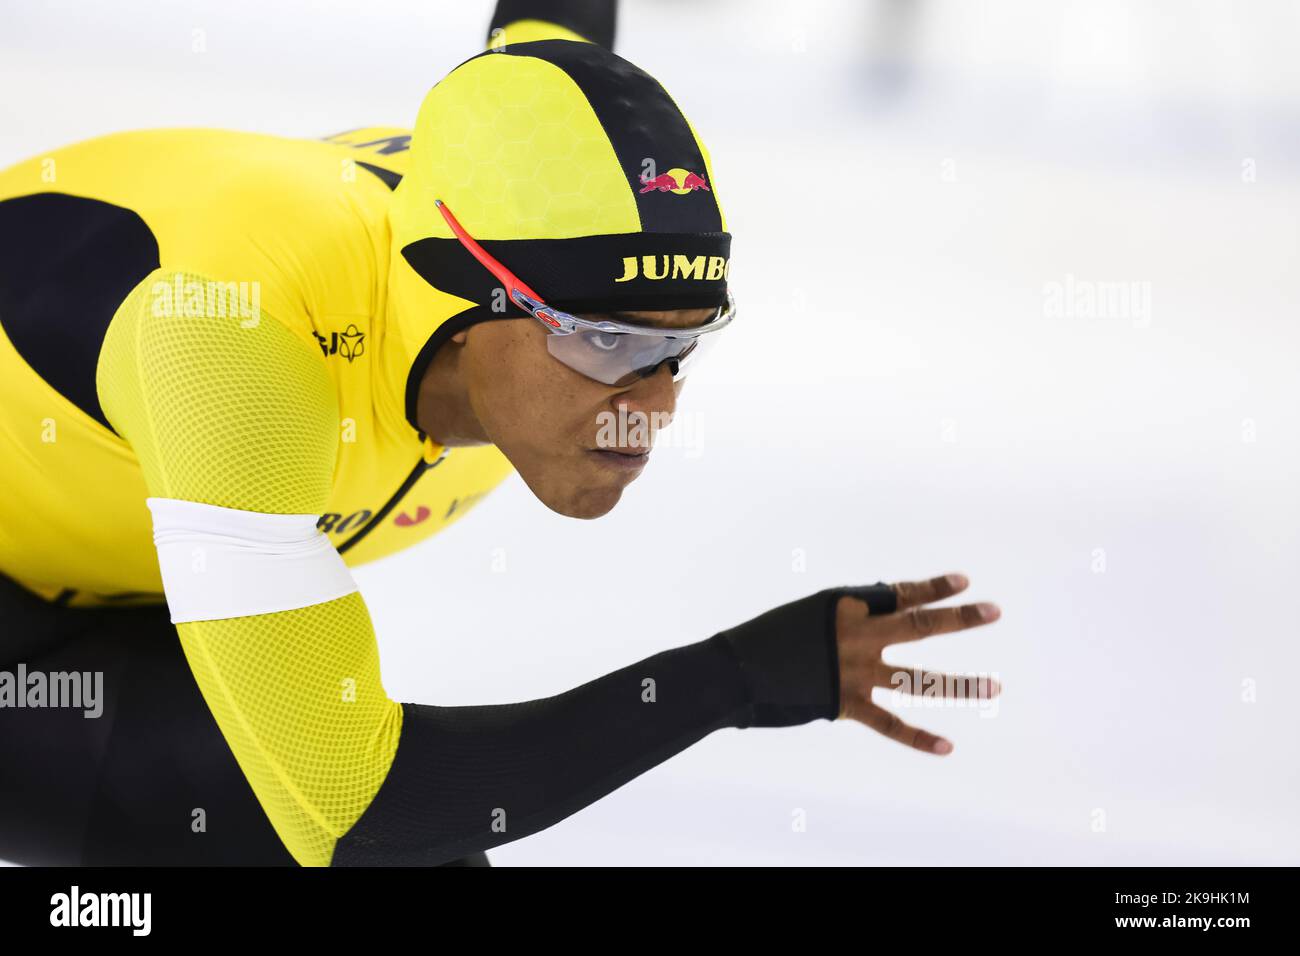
219, 563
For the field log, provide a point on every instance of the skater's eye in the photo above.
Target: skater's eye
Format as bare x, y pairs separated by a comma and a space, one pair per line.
604, 341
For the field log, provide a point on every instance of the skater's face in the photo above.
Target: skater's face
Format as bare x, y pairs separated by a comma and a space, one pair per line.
567, 435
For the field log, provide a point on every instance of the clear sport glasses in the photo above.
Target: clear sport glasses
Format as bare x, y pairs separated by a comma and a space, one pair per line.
615, 353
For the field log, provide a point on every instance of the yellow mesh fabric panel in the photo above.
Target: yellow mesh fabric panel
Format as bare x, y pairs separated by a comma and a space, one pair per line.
298, 696
236, 411
221, 409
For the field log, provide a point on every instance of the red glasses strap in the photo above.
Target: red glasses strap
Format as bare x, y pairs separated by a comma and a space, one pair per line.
504, 275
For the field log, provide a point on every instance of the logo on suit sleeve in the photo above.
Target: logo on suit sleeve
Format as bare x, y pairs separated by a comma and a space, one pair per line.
350, 343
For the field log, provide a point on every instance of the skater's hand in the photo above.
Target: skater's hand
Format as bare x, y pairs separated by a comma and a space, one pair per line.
862, 639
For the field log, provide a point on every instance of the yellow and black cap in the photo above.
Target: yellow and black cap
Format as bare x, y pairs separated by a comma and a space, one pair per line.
575, 169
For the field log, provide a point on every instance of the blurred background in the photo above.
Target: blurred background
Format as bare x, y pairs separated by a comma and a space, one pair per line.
1019, 290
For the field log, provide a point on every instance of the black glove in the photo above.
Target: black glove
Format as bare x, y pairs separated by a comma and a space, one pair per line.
791, 659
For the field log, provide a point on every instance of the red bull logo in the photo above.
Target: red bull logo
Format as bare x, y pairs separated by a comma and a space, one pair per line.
679, 181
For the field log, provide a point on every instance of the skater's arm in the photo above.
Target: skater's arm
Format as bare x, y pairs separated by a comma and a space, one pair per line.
236, 430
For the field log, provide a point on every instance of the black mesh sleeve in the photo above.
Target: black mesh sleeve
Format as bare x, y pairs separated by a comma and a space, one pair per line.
591, 19
466, 779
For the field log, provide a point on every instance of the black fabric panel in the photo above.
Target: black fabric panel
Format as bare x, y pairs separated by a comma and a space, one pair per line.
790, 657
460, 769
584, 273
880, 597
642, 123
66, 264
592, 19
121, 788
390, 178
